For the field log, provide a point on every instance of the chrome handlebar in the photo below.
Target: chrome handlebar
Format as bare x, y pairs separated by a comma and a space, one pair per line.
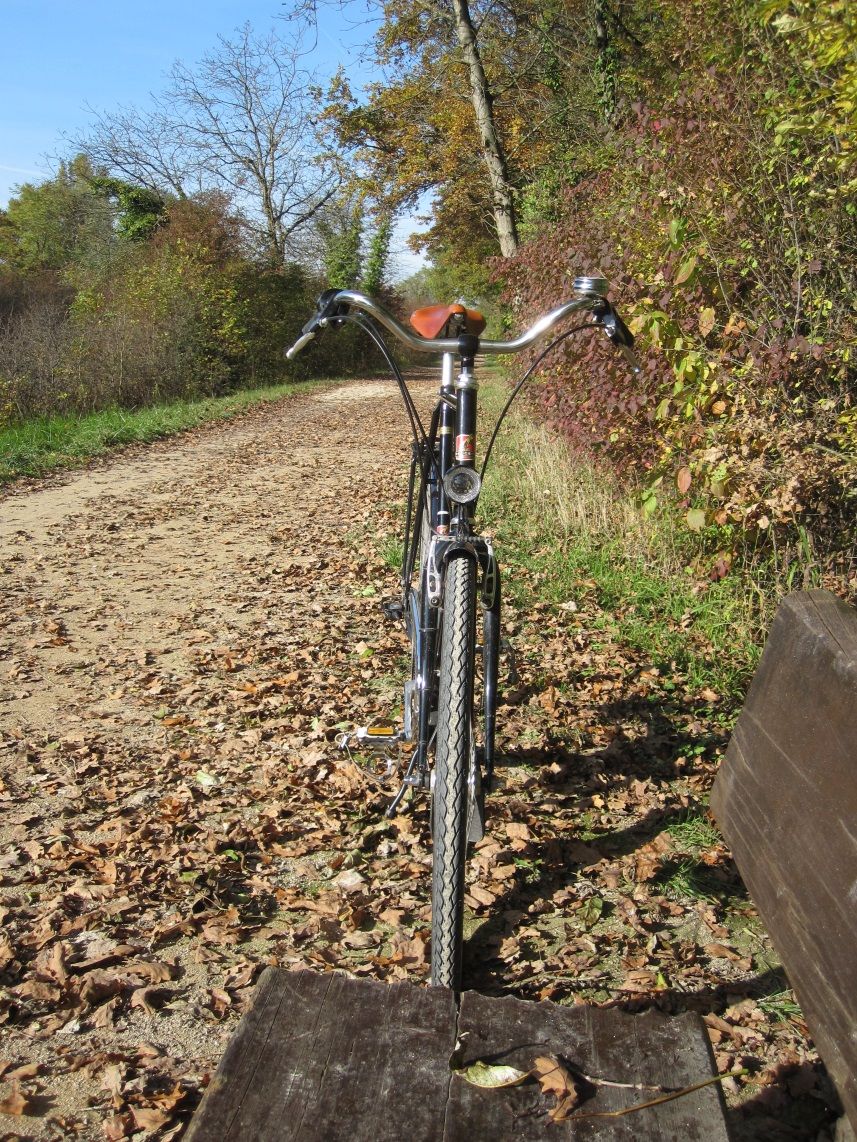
591, 294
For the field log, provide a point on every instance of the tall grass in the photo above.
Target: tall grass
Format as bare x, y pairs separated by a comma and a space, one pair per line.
38, 446
572, 524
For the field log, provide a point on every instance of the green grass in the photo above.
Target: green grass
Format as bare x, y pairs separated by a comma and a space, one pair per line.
686, 879
695, 833
584, 540
392, 551
781, 1006
39, 446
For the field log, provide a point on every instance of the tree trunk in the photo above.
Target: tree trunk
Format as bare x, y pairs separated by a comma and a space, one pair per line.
492, 148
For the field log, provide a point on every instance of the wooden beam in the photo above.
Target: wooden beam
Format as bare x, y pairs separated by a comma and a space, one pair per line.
786, 799
322, 1057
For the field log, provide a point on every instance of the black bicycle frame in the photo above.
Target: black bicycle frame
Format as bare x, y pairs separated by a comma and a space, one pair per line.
450, 442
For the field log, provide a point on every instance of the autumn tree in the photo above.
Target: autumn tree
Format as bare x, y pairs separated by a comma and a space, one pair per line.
487, 107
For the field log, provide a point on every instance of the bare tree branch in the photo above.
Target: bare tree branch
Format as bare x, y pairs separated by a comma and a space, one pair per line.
240, 121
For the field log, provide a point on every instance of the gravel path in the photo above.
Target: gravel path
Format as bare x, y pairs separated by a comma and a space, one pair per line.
142, 601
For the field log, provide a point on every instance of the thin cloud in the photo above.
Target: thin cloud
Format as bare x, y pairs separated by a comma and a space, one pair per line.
20, 170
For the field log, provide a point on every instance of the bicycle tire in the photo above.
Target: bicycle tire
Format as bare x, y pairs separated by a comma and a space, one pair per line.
453, 757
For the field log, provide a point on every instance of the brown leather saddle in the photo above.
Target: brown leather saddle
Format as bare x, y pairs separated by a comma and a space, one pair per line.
447, 320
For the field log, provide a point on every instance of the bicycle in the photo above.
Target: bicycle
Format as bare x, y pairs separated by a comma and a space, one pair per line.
446, 565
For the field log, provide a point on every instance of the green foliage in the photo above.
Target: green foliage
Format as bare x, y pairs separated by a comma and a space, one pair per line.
58, 223
728, 242
181, 313
139, 210
377, 257
820, 37
59, 442
341, 230
568, 521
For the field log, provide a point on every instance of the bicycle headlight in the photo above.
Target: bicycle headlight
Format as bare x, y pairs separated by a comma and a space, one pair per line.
462, 485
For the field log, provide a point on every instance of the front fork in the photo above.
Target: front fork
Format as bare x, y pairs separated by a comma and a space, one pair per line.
490, 670
481, 550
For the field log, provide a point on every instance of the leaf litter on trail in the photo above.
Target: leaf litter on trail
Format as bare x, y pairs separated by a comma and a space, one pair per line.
173, 795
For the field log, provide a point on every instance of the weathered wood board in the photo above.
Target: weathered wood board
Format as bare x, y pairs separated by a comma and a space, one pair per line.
324, 1057
659, 1050
786, 799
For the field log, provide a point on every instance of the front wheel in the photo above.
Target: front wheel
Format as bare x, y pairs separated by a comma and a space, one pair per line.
453, 757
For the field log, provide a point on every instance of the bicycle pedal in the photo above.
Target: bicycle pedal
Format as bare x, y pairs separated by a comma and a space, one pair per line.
393, 609
377, 737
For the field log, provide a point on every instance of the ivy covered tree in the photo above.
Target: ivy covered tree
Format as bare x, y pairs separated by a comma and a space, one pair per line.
378, 257
340, 227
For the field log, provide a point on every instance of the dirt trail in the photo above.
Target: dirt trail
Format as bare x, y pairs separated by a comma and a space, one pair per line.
118, 562
183, 632
138, 599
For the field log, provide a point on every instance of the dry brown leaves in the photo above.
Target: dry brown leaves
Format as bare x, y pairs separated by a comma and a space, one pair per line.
180, 654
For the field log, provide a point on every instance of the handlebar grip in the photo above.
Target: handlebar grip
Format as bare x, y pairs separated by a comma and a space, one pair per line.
299, 344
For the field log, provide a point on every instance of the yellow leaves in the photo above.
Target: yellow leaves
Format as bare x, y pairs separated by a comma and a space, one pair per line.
685, 270
706, 321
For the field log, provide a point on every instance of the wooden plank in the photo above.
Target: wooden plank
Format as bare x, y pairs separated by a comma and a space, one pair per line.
324, 1057
672, 1051
786, 799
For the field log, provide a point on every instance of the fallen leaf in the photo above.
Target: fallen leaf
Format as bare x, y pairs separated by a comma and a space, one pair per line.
517, 831
118, 1127
15, 1103
556, 1079
148, 999
27, 1071
153, 972
590, 911
492, 1075
146, 1118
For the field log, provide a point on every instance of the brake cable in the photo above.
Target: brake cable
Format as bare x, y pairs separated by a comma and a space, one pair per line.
368, 327
520, 385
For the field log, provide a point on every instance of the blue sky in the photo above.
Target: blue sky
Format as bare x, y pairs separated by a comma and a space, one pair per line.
60, 57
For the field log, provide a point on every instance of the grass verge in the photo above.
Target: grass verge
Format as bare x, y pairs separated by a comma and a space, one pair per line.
40, 446
582, 537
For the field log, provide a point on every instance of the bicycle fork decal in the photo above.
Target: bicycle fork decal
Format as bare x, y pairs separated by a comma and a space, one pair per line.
465, 448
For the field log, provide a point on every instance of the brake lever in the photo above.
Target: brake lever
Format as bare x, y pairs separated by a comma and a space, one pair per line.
304, 339
326, 313
618, 332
